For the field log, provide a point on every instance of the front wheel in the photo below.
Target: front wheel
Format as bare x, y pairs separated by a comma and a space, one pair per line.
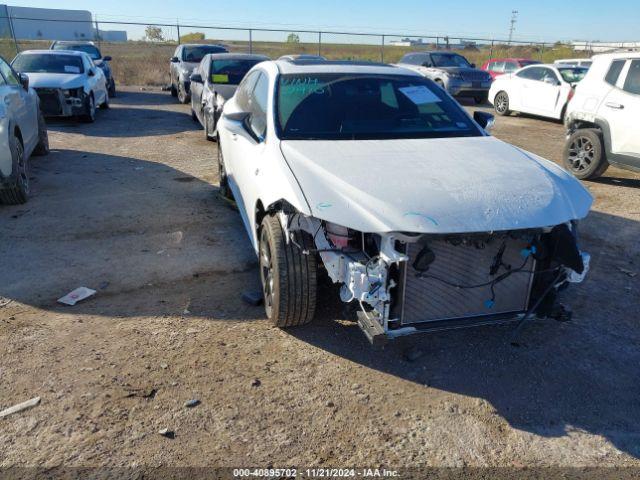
42, 148
183, 96
208, 128
224, 191
584, 154
90, 110
112, 89
289, 277
501, 103
17, 192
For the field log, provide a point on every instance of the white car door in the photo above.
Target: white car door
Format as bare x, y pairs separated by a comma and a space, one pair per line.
541, 91
21, 106
621, 108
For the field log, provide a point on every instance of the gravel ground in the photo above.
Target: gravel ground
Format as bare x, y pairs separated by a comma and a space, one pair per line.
128, 206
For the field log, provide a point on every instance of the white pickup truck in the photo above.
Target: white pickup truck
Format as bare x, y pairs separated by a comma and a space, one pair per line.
22, 133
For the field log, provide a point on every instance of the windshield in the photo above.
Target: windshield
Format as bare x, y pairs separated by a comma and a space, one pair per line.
93, 51
349, 107
48, 63
574, 74
449, 60
231, 71
524, 63
195, 54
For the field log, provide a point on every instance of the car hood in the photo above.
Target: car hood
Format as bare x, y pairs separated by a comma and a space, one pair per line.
449, 185
56, 80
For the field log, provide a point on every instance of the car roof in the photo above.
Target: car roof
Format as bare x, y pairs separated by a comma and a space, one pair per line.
74, 53
73, 42
237, 56
515, 59
203, 45
332, 66
615, 55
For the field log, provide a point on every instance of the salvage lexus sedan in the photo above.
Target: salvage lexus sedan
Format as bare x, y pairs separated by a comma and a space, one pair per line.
377, 175
214, 81
67, 82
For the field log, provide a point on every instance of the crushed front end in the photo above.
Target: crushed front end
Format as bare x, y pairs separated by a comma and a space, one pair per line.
406, 283
60, 102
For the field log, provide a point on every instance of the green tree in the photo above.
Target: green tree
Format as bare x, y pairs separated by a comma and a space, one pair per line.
153, 34
192, 37
293, 38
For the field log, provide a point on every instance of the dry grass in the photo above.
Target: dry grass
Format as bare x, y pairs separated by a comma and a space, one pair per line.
146, 63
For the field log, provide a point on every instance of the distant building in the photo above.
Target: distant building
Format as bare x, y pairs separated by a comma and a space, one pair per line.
601, 47
406, 42
52, 24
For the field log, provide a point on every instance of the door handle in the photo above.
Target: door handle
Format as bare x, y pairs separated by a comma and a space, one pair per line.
617, 106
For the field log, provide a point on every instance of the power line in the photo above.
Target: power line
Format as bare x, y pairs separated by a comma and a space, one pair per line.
512, 28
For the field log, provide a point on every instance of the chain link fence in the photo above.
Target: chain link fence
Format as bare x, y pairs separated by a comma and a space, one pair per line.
141, 51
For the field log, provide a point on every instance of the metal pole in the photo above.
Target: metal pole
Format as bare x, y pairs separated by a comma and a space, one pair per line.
491, 51
250, 41
319, 43
542, 53
13, 34
97, 32
437, 43
382, 50
178, 29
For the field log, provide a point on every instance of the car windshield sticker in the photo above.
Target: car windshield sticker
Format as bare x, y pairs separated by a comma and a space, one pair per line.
71, 69
420, 95
220, 78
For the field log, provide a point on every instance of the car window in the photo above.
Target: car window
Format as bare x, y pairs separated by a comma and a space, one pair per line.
614, 71
231, 71
573, 74
510, 67
9, 75
533, 73
587, 63
496, 67
48, 63
91, 50
449, 60
195, 53
258, 106
336, 106
632, 82
245, 89
549, 75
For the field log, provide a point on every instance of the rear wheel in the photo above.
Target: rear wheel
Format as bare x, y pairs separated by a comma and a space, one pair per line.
42, 148
289, 277
501, 103
112, 89
584, 154
18, 191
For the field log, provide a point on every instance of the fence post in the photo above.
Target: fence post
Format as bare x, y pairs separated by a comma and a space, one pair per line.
13, 33
542, 52
319, 43
382, 50
97, 27
178, 30
437, 43
491, 50
250, 41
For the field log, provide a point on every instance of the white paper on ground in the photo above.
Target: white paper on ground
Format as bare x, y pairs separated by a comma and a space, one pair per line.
78, 294
420, 95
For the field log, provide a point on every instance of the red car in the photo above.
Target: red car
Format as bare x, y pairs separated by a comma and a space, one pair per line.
500, 66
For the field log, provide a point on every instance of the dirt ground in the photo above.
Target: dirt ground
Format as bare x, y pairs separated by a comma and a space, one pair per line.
128, 206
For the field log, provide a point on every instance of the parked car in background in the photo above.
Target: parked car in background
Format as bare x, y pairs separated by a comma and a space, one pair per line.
214, 81
602, 118
380, 176
541, 90
500, 66
302, 56
184, 60
94, 52
23, 133
451, 71
574, 62
67, 82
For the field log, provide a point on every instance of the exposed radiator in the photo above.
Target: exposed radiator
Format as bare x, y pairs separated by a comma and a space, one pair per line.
427, 299
50, 101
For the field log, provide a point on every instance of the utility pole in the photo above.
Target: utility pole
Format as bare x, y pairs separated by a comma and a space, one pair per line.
512, 28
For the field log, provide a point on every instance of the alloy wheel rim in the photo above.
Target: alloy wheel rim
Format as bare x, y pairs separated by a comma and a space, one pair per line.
266, 273
23, 169
581, 154
501, 103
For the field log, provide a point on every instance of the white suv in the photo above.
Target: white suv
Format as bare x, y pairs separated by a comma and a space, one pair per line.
22, 133
602, 117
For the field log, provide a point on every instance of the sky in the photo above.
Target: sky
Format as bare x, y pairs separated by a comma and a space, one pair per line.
538, 20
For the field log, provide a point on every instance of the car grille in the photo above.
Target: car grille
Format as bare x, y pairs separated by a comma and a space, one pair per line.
428, 300
50, 101
474, 76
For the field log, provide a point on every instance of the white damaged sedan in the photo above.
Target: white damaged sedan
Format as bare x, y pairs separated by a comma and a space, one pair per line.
377, 175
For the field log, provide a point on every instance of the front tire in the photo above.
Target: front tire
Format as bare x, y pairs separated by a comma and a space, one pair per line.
112, 89
174, 91
208, 133
183, 97
18, 192
224, 191
105, 105
584, 154
90, 110
289, 277
42, 148
501, 103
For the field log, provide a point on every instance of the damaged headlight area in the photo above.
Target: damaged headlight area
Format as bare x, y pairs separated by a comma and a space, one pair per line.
405, 283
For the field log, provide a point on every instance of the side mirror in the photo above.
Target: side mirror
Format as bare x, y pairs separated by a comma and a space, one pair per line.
107, 58
91, 73
485, 120
196, 78
175, 60
473, 65
239, 124
24, 81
